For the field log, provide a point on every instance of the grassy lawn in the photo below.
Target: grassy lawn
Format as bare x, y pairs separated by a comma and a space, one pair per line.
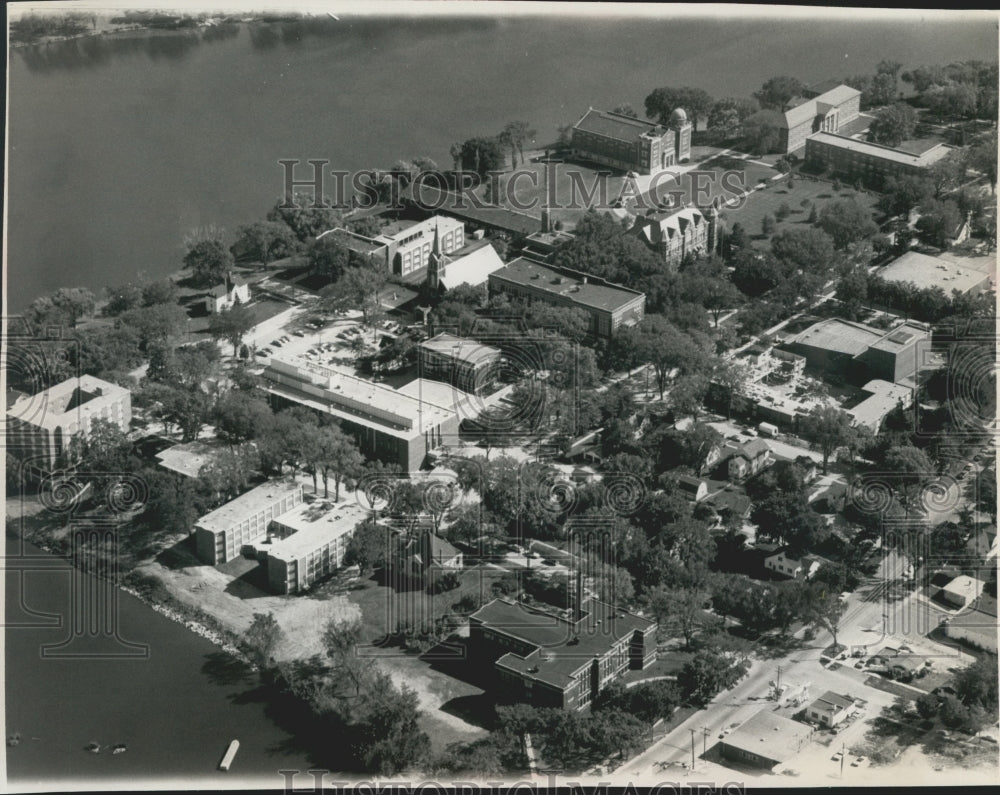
382, 607
768, 201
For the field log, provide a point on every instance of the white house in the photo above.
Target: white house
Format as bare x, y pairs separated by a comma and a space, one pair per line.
796, 568
224, 296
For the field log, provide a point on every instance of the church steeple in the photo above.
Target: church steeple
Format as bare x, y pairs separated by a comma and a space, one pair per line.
435, 263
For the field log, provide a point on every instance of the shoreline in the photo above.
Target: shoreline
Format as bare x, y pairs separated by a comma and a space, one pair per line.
170, 608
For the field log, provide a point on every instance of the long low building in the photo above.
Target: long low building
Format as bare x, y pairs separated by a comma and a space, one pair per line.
609, 306
825, 150
765, 740
388, 424
925, 272
221, 535
549, 659
976, 626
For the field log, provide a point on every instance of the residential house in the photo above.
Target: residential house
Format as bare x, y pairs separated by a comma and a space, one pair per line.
749, 460
830, 709
693, 488
225, 296
797, 567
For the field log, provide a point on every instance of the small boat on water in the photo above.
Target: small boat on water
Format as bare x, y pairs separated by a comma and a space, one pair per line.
94, 747
229, 756
119, 749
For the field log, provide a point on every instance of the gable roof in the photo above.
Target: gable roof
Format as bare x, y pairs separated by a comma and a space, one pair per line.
831, 702
664, 226
616, 126
472, 269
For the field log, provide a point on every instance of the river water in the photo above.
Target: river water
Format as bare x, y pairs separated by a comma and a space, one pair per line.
176, 708
120, 146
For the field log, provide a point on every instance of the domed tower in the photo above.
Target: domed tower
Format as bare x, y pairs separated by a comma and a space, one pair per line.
682, 134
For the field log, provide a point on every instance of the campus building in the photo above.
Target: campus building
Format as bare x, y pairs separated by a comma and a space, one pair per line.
308, 543
976, 626
560, 659
631, 144
829, 112
221, 535
866, 160
765, 740
431, 198
609, 306
925, 272
675, 234
41, 426
393, 426
470, 266
466, 364
407, 249
855, 350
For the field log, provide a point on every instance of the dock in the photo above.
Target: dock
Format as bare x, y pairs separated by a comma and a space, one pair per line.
230, 754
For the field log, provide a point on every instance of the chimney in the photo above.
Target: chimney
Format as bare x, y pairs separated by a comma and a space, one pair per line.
546, 219
579, 593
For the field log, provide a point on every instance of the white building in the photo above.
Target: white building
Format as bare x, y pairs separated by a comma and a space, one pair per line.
41, 426
225, 296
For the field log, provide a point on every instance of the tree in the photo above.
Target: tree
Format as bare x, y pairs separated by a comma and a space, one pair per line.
385, 735
778, 91
358, 288
162, 291
514, 136
240, 417
264, 241
977, 684
950, 101
720, 295
658, 342
662, 102
688, 394
173, 505
767, 224
803, 248
307, 216
893, 125
209, 260
122, 298
828, 427
336, 453
912, 469
787, 518
74, 303
482, 155
707, 674
938, 221
227, 475
762, 132
904, 193
369, 546
263, 637
726, 116
161, 323
626, 109
679, 611
231, 325
852, 292
846, 221
328, 256
821, 607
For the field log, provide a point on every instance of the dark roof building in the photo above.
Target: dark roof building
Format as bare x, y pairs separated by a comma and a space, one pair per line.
631, 144
560, 659
609, 306
431, 199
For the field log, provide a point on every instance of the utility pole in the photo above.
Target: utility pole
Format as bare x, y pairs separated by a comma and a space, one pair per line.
704, 740
843, 750
692, 748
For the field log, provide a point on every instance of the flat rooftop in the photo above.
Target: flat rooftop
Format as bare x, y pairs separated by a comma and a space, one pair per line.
353, 398
188, 459
925, 272
563, 646
882, 398
770, 736
578, 288
901, 337
839, 336
315, 524
69, 401
257, 499
927, 158
459, 349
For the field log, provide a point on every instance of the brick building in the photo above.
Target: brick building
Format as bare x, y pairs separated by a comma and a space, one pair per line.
466, 364
853, 158
631, 144
829, 112
676, 233
609, 306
